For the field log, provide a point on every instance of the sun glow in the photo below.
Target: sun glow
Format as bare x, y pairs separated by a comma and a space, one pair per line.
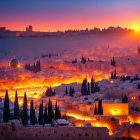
136, 29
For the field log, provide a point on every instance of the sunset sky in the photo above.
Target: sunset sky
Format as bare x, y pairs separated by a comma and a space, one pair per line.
45, 15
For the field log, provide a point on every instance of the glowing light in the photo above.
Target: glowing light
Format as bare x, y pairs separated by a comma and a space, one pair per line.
115, 112
111, 81
80, 117
20, 103
133, 97
19, 66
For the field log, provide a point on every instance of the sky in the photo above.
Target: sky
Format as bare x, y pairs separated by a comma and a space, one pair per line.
53, 15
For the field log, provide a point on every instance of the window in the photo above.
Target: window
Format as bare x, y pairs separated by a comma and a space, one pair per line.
1, 133
36, 135
86, 134
79, 135
67, 135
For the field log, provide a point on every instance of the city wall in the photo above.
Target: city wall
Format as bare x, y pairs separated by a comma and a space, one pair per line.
15, 131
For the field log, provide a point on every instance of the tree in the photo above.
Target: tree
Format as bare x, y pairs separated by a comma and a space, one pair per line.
113, 63
112, 75
16, 107
92, 85
50, 92
138, 85
45, 116
66, 91
83, 60
64, 116
88, 89
25, 111
95, 110
59, 113
40, 117
84, 87
32, 114
115, 77
125, 99
56, 111
54, 92
97, 88
6, 110
71, 92
50, 112
100, 110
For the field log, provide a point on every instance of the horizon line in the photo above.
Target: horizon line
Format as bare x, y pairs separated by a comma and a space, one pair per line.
72, 29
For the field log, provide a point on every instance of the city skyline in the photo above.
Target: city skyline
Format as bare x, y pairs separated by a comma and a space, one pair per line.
64, 15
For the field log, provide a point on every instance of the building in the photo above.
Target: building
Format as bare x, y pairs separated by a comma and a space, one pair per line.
2, 29
29, 28
62, 122
115, 109
14, 130
14, 63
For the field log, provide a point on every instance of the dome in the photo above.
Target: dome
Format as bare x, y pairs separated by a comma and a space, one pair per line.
14, 63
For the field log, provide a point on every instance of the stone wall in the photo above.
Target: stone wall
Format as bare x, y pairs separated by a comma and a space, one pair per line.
128, 131
15, 131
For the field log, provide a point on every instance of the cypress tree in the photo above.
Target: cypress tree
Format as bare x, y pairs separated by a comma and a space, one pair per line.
112, 75
54, 92
45, 116
92, 85
40, 117
115, 77
125, 99
56, 111
113, 61
6, 110
88, 89
32, 114
97, 88
101, 111
66, 91
25, 111
59, 113
99, 107
50, 112
95, 110
138, 85
70, 91
16, 107
73, 90
84, 87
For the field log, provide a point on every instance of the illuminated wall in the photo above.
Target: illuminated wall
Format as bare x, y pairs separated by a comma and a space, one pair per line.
51, 133
113, 109
134, 118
